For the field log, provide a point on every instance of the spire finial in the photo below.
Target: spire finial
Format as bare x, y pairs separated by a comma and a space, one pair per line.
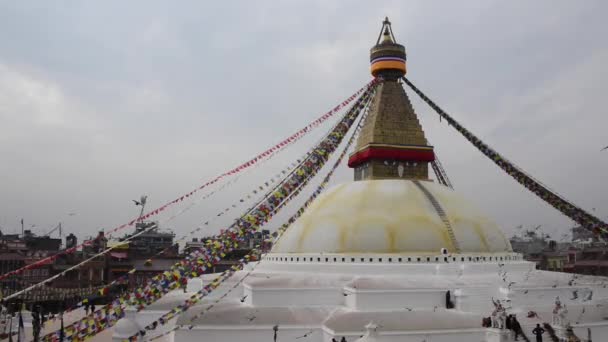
386, 33
387, 54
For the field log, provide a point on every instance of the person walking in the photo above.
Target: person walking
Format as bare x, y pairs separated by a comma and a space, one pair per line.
516, 327
508, 324
538, 331
36, 323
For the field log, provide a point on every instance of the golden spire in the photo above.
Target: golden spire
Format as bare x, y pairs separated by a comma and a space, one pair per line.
392, 143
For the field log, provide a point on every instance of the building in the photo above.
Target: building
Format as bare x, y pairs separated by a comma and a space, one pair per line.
581, 234
152, 242
392, 255
150, 253
591, 259
583, 255
17, 251
259, 240
12, 257
547, 254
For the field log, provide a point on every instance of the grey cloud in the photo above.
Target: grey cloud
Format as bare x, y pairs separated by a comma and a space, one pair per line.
102, 102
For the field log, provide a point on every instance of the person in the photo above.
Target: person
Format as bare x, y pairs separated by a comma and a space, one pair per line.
448, 300
333, 340
36, 322
343, 339
538, 331
92, 307
42, 316
570, 336
516, 327
486, 322
508, 325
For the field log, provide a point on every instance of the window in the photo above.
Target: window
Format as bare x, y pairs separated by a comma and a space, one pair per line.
352, 259
362, 259
342, 259
390, 259
428, 259
380, 259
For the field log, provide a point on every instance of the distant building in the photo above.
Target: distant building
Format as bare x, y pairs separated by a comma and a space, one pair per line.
532, 245
582, 234
150, 253
589, 259
583, 255
152, 242
257, 239
17, 251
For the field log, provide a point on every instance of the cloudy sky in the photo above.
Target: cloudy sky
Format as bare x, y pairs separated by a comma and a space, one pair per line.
103, 102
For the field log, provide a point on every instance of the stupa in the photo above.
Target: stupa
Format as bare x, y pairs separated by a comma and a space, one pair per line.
394, 256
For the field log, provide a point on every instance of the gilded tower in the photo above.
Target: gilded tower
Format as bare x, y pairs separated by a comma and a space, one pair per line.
391, 144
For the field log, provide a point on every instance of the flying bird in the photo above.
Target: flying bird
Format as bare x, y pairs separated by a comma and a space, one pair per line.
574, 295
305, 335
605, 148
142, 200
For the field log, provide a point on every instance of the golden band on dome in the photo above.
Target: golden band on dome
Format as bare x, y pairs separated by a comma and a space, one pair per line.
384, 65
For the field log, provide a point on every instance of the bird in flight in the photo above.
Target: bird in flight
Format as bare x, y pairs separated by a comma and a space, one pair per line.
605, 148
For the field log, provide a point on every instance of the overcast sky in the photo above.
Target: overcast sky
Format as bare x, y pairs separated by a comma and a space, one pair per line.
101, 102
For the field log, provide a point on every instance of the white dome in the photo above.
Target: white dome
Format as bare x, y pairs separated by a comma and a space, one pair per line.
391, 216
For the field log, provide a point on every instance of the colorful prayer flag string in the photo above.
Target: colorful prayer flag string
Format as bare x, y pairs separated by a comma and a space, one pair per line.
216, 249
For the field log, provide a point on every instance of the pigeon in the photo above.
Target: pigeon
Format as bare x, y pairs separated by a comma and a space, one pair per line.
574, 295
305, 335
